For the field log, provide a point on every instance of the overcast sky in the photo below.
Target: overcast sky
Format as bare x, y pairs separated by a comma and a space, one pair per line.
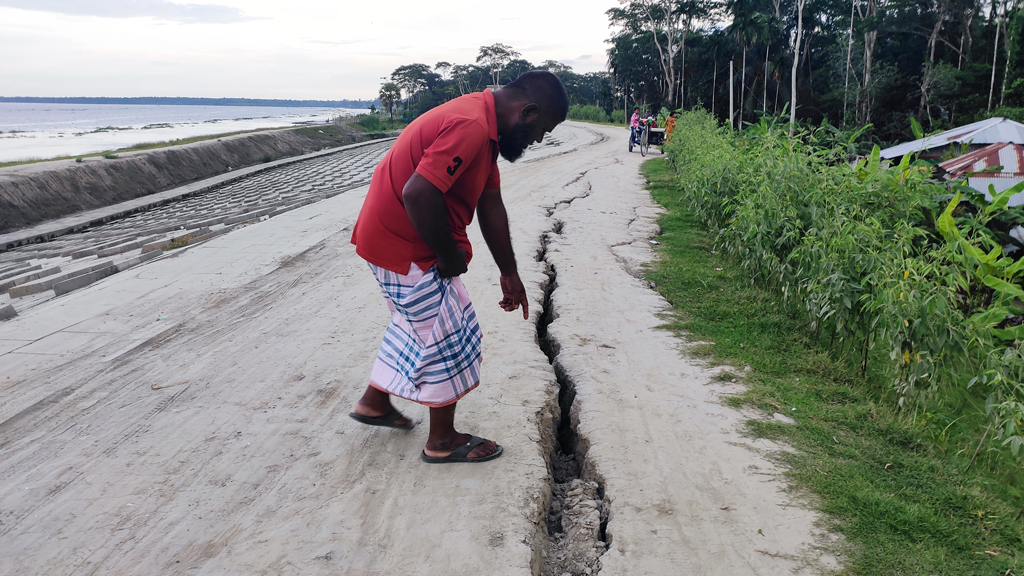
299, 49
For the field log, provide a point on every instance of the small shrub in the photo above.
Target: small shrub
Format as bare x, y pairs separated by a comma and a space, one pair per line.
372, 123
267, 158
180, 241
79, 160
110, 156
618, 116
589, 113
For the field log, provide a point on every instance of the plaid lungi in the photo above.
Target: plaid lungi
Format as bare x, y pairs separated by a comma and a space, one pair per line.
431, 349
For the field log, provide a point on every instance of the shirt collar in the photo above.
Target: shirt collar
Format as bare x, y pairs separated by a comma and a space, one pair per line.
492, 117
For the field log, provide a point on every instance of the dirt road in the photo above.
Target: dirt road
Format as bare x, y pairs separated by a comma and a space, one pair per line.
189, 416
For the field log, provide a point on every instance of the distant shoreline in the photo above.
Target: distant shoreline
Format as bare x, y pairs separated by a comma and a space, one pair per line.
173, 101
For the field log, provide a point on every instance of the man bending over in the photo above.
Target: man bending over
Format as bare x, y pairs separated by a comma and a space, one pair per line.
412, 232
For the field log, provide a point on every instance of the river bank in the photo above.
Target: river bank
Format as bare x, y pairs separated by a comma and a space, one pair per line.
33, 131
33, 193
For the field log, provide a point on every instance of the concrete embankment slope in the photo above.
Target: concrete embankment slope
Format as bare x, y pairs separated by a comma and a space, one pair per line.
189, 414
33, 193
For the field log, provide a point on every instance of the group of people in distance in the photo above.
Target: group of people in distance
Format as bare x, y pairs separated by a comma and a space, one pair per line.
637, 124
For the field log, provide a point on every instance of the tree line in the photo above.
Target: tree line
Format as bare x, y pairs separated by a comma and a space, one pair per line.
851, 63
413, 89
848, 62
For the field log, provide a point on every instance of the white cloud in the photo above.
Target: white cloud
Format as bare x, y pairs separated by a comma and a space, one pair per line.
158, 9
301, 49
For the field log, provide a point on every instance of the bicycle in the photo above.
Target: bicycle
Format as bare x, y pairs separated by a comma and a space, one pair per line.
639, 137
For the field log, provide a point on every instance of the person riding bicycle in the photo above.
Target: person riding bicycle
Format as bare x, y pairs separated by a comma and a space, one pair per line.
634, 124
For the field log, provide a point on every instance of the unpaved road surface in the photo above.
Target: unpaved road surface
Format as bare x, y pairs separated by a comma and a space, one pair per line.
188, 416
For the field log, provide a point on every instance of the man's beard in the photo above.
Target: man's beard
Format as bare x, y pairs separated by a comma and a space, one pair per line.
513, 145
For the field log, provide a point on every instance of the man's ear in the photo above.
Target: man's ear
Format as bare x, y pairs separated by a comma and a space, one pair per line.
529, 112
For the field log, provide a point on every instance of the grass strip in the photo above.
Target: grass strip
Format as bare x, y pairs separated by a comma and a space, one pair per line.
903, 503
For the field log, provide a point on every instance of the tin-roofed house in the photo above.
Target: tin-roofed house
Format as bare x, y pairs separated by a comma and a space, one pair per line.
974, 136
1004, 162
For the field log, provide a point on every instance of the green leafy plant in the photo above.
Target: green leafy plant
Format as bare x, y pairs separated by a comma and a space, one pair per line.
905, 273
589, 113
372, 123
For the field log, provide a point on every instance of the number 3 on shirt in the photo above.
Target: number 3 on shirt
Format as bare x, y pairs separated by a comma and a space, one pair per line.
457, 162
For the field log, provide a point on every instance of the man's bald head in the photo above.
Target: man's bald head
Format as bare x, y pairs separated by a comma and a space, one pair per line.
527, 109
544, 89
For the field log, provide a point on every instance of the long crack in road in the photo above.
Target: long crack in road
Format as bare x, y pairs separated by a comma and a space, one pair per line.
189, 415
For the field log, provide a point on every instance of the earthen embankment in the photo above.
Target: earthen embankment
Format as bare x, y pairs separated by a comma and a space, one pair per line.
35, 193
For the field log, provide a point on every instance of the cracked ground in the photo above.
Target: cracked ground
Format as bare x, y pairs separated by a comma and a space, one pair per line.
189, 415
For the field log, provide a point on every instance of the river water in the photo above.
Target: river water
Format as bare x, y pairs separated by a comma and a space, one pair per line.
38, 131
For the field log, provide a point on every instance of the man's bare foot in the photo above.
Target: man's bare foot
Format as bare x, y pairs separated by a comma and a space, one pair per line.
447, 446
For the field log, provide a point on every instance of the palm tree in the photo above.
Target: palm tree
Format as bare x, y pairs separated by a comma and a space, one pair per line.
390, 94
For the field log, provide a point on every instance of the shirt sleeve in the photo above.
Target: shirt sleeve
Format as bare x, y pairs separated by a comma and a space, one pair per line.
451, 152
494, 178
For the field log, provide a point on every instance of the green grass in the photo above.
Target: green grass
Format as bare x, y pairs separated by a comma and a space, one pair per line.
181, 241
619, 124
894, 487
376, 124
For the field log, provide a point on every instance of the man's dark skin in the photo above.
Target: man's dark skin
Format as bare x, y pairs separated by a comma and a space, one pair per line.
424, 203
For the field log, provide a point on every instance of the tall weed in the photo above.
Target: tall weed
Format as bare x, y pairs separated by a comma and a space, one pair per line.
905, 273
589, 113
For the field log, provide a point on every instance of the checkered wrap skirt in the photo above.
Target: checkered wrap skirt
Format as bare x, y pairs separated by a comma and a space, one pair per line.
431, 349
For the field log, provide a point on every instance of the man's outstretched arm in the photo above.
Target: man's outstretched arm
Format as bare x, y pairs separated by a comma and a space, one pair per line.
424, 203
494, 226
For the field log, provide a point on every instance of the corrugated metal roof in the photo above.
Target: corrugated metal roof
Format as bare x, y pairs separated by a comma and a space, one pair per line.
1006, 154
981, 184
987, 131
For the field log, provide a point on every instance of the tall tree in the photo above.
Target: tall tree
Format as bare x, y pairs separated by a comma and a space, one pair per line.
516, 68
664, 20
414, 78
635, 68
940, 8
444, 69
868, 12
796, 61
749, 24
996, 6
555, 67
1008, 43
849, 55
495, 57
390, 94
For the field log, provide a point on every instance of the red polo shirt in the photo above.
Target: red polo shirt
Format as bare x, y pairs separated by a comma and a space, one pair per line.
455, 147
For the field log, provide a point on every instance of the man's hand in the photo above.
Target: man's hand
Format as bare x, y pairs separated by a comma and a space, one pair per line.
513, 294
453, 266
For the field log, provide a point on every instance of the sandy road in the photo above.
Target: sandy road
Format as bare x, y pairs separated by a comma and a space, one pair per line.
189, 416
